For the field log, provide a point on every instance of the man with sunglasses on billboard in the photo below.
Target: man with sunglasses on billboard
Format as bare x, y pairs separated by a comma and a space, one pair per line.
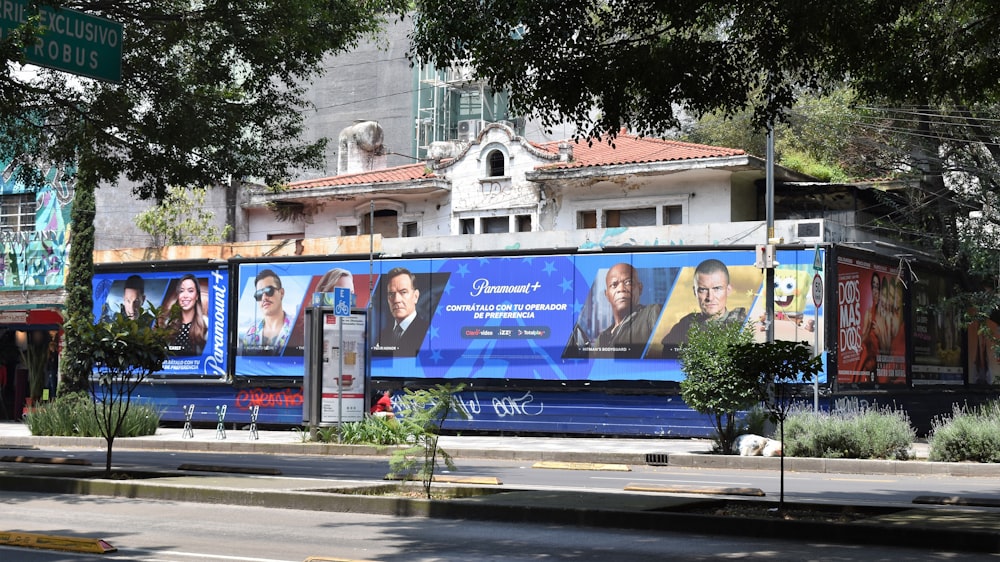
270, 333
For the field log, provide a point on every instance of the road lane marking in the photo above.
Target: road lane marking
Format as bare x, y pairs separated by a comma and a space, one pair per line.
883, 481
699, 482
200, 556
559, 465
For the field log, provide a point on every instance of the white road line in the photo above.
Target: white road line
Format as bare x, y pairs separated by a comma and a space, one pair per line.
157, 556
725, 483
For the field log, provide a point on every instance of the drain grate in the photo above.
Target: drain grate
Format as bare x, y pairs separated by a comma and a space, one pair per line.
657, 459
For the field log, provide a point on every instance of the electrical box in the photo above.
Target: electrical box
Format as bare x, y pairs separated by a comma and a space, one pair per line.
765, 257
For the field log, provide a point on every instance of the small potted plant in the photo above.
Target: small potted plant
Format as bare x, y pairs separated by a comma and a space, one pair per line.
35, 357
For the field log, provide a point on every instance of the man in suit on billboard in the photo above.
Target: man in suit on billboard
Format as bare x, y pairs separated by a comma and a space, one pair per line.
405, 333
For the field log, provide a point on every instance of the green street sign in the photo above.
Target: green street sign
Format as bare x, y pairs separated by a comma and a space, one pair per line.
71, 41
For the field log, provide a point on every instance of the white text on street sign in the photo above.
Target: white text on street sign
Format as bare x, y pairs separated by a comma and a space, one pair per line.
71, 41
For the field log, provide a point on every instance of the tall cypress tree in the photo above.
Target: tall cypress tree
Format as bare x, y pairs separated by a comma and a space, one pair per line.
76, 367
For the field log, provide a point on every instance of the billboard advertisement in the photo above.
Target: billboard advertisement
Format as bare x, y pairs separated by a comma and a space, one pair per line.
871, 334
343, 369
583, 317
198, 345
937, 352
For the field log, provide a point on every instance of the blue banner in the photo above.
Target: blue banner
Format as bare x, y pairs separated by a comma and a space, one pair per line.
584, 317
198, 346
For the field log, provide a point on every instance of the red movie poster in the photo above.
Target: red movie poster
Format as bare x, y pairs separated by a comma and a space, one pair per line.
871, 346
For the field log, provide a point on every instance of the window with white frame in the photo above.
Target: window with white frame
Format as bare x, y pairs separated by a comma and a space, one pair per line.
495, 224
17, 212
628, 217
386, 223
586, 219
411, 230
496, 164
467, 226
673, 214
523, 223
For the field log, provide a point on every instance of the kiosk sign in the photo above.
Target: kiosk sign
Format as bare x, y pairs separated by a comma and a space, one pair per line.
70, 41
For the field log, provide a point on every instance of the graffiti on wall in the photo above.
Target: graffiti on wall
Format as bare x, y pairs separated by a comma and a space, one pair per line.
36, 258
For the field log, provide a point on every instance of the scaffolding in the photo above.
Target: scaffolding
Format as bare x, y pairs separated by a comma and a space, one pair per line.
453, 105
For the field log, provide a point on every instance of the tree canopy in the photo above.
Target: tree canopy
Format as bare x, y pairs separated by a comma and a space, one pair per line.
210, 90
607, 64
924, 73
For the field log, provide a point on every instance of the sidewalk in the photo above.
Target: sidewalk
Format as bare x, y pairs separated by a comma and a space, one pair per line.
672, 451
947, 528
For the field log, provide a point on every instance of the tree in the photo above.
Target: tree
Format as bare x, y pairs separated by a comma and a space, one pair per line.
181, 219
714, 382
423, 414
604, 65
75, 367
210, 91
775, 369
123, 351
825, 136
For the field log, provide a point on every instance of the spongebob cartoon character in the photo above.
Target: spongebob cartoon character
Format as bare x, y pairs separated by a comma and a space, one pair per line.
791, 288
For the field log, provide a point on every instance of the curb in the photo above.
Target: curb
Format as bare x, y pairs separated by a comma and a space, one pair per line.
681, 459
837, 466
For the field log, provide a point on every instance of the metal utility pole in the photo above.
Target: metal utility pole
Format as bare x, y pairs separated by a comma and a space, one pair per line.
769, 210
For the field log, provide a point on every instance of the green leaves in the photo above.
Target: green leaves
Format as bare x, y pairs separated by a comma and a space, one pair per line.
715, 383
181, 220
123, 345
422, 414
210, 90
636, 63
122, 352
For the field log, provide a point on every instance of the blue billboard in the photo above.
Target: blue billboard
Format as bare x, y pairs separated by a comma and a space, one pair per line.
198, 344
581, 317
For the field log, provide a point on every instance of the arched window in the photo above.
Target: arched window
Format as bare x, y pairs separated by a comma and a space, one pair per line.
495, 161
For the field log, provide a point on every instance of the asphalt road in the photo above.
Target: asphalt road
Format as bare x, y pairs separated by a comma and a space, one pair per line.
840, 488
166, 531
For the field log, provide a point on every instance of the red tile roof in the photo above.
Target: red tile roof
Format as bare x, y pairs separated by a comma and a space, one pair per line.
404, 173
630, 149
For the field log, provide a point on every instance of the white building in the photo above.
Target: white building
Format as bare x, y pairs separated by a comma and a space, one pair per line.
632, 191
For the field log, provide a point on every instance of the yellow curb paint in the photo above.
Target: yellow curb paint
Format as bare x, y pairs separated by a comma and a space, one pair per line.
484, 480
717, 491
52, 542
582, 466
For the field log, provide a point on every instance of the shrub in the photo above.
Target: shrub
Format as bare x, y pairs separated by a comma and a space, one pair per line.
969, 434
73, 415
757, 421
851, 431
714, 384
372, 430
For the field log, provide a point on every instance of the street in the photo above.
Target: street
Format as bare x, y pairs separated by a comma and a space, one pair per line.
164, 531
899, 489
